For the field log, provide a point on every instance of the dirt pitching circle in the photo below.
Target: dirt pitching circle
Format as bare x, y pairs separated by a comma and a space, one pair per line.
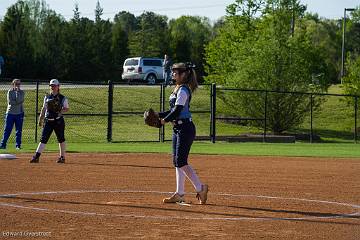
148, 216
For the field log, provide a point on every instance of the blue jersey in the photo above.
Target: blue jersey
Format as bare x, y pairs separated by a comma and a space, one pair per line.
181, 97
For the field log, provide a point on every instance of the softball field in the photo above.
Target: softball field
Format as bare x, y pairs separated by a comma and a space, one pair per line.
119, 196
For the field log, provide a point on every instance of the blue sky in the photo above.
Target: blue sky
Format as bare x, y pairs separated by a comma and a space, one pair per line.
212, 9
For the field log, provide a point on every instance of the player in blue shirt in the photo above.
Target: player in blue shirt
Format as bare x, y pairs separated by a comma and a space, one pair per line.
184, 131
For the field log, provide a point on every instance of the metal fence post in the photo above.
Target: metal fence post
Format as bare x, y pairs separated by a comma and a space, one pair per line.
110, 110
162, 109
311, 118
36, 109
213, 113
355, 113
265, 115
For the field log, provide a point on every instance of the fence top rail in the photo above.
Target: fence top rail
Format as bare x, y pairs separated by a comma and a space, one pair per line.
146, 84
287, 92
67, 82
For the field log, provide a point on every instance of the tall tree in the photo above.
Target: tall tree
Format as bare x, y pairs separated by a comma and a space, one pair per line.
150, 37
353, 33
77, 50
98, 12
237, 27
351, 80
326, 36
188, 37
16, 44
124, 24
100, 45
50, 60
265, 51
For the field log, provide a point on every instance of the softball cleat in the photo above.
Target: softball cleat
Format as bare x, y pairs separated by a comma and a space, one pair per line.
202, 195
34, 159
175, 198
61, 160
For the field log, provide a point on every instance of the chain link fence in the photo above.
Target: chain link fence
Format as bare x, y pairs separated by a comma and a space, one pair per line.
107, 112
103, 112
130, 102
326, 117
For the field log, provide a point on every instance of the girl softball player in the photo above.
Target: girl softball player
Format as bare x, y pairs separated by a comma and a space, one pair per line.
52, 120
183, 131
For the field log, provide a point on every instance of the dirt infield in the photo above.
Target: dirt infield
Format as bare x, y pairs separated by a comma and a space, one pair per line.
119, 196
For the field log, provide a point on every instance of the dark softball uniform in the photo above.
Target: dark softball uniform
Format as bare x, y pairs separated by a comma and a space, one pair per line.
183, 128
54, 121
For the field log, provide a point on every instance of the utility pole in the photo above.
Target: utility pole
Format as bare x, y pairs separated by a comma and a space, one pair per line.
343, 43
293, 19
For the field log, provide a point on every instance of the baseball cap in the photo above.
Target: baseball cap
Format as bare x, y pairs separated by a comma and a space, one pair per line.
185, 66
54, 82
179, 66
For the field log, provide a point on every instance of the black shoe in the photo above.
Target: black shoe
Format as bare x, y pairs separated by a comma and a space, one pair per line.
35, 159
61, 160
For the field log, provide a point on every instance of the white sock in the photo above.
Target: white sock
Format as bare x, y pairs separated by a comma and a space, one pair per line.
191, 174
180, 181
40, 147
62, 148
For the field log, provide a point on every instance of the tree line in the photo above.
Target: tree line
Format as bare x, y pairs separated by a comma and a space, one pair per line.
38, 43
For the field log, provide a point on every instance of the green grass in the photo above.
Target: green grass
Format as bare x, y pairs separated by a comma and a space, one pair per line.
336, 89
334, 121
220, 148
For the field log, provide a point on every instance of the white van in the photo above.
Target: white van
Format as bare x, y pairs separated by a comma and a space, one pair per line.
149, 70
